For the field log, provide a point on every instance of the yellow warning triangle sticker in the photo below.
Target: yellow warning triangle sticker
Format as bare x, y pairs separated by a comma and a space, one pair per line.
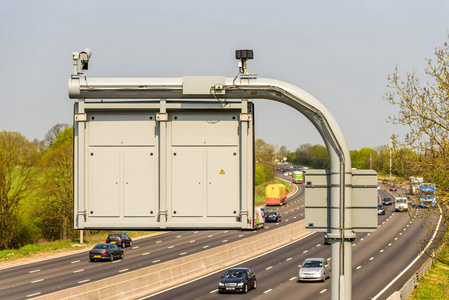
222, 172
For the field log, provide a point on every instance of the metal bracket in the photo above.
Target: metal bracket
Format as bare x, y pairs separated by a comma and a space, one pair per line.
161, 116
80, 117
246, 117
164, 213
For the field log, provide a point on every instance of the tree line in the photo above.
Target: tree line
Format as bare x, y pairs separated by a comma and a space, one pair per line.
36, 187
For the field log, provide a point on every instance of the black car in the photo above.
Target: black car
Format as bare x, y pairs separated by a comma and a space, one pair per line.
120, 239
272, 216
237, 280
387, 201
106, 252
380, 209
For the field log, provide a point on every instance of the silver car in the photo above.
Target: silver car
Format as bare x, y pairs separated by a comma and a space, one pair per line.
316, 269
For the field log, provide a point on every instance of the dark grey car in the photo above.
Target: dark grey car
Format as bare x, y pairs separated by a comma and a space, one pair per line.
106, 252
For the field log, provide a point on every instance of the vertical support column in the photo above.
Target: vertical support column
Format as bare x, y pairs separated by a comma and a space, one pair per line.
80, 164
162, 121
245, 215
340, 227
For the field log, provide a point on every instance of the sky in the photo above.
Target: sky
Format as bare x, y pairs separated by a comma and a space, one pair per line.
341, 52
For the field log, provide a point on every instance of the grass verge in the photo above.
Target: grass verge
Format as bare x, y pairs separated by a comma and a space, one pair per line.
435, 284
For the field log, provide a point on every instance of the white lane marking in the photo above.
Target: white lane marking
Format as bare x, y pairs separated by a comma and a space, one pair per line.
288, 259
225, 231
371, 258
158, 242
34, 271
353, 245
400, 233
224, 241
286, 220
293, 278
77, 271
362, 239
196, 231
146, 253
305, 251
155, 261
269, 268
323, 291
213, 292
414, 261
395, 239
169, 247
389, 244
242, 262
76, 261
183, 253
277, 224
242, 234
136, 247
205, 247
124, 270
267, 291
116, 261
83, 281
368, 234
192, 241
358, 267
179, 236
39, 280
318, 245
32, 295
381, 251
210, 235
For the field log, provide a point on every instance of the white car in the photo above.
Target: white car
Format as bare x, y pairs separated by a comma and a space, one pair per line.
314, 269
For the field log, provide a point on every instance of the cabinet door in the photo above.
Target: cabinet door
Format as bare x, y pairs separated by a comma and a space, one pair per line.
139, 182
103, 182
187, 183
223, 182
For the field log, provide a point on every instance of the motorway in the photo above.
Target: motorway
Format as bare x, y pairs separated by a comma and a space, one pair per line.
377, 259
44, 277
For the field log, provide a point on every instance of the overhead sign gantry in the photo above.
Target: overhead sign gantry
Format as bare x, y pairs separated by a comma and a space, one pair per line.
138, 138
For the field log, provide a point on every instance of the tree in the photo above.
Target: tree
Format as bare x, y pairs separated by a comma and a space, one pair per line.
18, 158
283, 152
424, 109
53, 133
56, 188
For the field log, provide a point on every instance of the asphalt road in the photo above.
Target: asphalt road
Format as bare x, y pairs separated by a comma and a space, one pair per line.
44, 277
378, 258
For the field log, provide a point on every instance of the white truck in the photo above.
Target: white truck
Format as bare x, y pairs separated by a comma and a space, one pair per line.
401, 204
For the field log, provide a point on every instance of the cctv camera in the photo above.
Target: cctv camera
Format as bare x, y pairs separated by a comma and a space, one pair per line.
85, 54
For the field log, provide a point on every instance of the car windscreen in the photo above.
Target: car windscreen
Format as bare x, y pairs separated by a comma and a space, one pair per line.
312, 264
271, 213
101, 247
235, 274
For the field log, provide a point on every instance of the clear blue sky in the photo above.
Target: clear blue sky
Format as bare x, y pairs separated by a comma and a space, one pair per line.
341, 52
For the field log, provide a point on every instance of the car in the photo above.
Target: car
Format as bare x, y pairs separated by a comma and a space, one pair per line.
314, 269
380, 209
327, 239
237, 280
387, 201
106, 251
272, 216
264, 211
393, 189
119, 238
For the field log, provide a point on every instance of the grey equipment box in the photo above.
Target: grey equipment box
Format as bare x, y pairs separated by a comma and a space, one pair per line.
163, 165
318, 208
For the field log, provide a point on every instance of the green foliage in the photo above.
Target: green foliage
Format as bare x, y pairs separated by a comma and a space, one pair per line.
263, 174
435, 284
315, 156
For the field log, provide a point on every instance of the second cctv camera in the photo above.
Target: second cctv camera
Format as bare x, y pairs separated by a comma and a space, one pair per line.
84, 57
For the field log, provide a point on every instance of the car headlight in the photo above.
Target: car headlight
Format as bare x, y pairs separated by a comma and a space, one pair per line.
221, 284
240, 284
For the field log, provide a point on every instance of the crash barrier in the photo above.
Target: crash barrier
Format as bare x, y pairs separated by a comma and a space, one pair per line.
411, 284
156, 278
